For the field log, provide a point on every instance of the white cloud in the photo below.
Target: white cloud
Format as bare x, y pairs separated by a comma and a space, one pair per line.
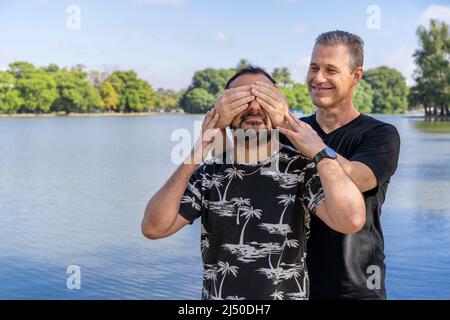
435, 12
218, 38
300, 29
400, 59
163, 2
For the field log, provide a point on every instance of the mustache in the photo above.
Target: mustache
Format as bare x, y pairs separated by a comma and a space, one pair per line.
247, 115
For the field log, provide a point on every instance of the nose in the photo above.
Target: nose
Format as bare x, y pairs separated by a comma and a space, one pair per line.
254, 106
319, 78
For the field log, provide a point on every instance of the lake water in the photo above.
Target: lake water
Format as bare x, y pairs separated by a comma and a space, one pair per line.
73, 192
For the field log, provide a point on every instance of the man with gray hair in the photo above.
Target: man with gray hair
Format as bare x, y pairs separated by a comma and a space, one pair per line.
344, 266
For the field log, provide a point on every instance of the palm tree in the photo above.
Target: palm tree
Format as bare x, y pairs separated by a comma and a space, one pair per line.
204, 244
289, 163
216, 181
277, 295
295, 273
191, 200
291, 243
240, 202
270, 246
249, 213
225, 268
211, 274
286, 199
231, 174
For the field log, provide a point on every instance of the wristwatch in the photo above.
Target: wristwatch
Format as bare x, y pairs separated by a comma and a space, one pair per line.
325, 153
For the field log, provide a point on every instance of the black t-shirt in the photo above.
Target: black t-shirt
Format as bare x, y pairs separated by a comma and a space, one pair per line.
347, 266
255, 222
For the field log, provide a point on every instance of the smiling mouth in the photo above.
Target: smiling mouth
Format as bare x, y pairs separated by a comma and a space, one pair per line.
321, 88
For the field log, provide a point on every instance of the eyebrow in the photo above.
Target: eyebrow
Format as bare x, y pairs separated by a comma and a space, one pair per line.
327, 65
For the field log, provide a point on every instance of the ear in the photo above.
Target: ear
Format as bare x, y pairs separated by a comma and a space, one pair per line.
357, 75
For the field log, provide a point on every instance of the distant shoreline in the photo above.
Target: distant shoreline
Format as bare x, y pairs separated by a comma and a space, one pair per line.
99, 114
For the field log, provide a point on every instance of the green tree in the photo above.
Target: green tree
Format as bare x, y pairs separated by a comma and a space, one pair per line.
109, 96
432, 89
242, 63
390, 92
211, 82
198, 100
298, 98
75, 93
134, 94
22, 70
167, 99
10, 99
363, 97
36, 87
282, 76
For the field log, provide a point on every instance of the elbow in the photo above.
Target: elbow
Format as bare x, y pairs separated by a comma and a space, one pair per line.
150, 232
356, 223
357, 219
148, 229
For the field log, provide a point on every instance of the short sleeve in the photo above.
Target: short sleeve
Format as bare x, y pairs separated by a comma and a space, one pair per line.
313, 190
379, 150
193, 200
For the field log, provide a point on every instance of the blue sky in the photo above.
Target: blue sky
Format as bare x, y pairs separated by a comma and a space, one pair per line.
166, 41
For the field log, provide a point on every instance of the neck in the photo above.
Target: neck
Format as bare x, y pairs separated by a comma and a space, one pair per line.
334, 117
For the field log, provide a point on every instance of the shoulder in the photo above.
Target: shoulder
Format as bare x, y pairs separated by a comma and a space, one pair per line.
375, 127
373, 123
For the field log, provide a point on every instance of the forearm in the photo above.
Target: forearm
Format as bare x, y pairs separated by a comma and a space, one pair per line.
344, 203
361, 175
162, 209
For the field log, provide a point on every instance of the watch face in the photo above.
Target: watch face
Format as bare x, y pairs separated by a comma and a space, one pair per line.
330, 153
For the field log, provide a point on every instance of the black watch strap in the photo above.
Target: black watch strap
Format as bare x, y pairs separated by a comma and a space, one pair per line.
325, 153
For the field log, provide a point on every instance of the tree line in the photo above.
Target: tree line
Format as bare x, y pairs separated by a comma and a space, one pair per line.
25, 88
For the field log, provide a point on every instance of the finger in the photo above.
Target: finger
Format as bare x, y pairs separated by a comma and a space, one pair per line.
238, 110
208, 117
297, 120
237, 89
265, 105
292, 122
288, 133
264, 96
236, 96
272, 87
212, 121
241, 102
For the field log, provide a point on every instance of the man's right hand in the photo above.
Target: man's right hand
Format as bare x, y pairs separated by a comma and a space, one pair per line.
204, 142
232, 102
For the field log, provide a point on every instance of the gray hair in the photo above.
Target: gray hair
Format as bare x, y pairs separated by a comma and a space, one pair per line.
353, 43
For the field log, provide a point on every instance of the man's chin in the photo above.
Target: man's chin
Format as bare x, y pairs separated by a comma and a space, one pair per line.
323, 103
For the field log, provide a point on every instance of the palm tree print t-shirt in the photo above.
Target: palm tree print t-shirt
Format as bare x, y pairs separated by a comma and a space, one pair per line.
255, 223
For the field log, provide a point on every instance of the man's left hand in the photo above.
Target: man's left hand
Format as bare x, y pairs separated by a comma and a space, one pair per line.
304, 138
272, 100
